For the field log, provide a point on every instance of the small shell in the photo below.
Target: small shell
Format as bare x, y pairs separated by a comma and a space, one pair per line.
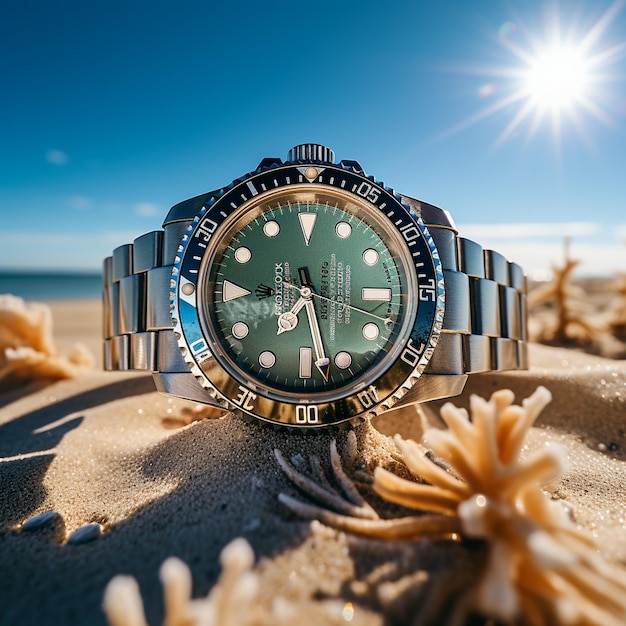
85, 534
41, 521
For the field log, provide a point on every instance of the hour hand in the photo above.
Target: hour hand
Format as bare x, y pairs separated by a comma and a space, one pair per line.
289, 319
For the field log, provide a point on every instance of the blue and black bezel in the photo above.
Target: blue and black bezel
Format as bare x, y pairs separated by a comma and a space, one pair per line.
205, 358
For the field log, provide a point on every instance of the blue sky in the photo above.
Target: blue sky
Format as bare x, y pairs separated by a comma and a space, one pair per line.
112, 112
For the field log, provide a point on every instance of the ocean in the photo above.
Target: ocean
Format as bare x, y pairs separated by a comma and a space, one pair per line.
41, 286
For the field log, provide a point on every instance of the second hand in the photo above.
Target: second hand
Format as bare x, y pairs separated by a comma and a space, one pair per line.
385, 320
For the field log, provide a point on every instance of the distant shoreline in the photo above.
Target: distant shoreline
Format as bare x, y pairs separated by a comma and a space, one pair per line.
51, 285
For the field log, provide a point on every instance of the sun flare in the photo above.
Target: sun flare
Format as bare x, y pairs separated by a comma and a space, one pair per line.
558, 78
558, 75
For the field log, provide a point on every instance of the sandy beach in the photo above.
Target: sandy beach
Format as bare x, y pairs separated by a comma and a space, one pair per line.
106, 451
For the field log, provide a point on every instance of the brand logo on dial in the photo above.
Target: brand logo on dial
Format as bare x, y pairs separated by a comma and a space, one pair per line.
263, 291
283, 296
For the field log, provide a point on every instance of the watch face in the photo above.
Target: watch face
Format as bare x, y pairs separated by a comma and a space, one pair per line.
307, 296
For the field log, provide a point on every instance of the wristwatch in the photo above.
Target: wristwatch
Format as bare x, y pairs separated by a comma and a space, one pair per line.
306, 294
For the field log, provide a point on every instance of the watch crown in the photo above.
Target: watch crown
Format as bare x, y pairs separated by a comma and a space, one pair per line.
311, 152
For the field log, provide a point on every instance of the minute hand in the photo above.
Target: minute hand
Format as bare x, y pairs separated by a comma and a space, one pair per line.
322, 361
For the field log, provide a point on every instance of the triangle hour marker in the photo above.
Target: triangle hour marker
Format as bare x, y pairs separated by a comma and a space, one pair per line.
307, 223
310, 172
231, 291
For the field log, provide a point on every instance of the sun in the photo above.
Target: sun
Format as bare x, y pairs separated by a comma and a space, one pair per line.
557, 77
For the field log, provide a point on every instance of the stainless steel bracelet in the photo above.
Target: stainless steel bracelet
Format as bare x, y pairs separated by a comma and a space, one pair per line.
137, 325
484, 326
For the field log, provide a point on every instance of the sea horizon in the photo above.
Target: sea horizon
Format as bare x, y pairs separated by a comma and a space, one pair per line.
42, 284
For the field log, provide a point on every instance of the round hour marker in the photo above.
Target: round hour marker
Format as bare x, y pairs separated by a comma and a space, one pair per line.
370, 331
370, 257
343, 230
343, 360
243, 254
188, 288
240, 330
271, 229
267, 359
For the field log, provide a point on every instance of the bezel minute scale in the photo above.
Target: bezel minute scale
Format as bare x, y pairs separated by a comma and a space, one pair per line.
292, 241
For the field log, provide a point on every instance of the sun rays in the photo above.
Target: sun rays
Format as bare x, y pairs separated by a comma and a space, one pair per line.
556, 78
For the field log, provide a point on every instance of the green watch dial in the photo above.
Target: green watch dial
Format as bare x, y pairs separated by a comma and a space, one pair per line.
307, 293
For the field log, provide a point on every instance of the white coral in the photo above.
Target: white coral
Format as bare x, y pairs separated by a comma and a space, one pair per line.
27, 350
227, 604
540, 569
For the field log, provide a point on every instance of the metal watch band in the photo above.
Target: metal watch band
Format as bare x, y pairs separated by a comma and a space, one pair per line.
484, 326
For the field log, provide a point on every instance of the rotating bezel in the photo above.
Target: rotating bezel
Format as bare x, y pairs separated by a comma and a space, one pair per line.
202, 352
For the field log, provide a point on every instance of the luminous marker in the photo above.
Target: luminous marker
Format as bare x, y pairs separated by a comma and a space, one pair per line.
252, 188
243, 254
230, 291
343, 360
271, 229
370, 331
240, 330
267, 359
187, 291
307, 223
374, 293
343, 230
306, 362
370, 257
311, 173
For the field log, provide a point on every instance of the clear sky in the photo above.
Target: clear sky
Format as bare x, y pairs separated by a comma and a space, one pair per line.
511, 115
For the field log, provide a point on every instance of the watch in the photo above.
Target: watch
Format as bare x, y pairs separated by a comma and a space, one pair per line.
306, 293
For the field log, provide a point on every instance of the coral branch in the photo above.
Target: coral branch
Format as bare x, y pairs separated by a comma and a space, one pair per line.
400, 491
176, 580
540, 568
27, 350
122, 602
226, 605
568, 322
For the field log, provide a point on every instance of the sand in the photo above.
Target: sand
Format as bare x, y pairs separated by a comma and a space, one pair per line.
106, 448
